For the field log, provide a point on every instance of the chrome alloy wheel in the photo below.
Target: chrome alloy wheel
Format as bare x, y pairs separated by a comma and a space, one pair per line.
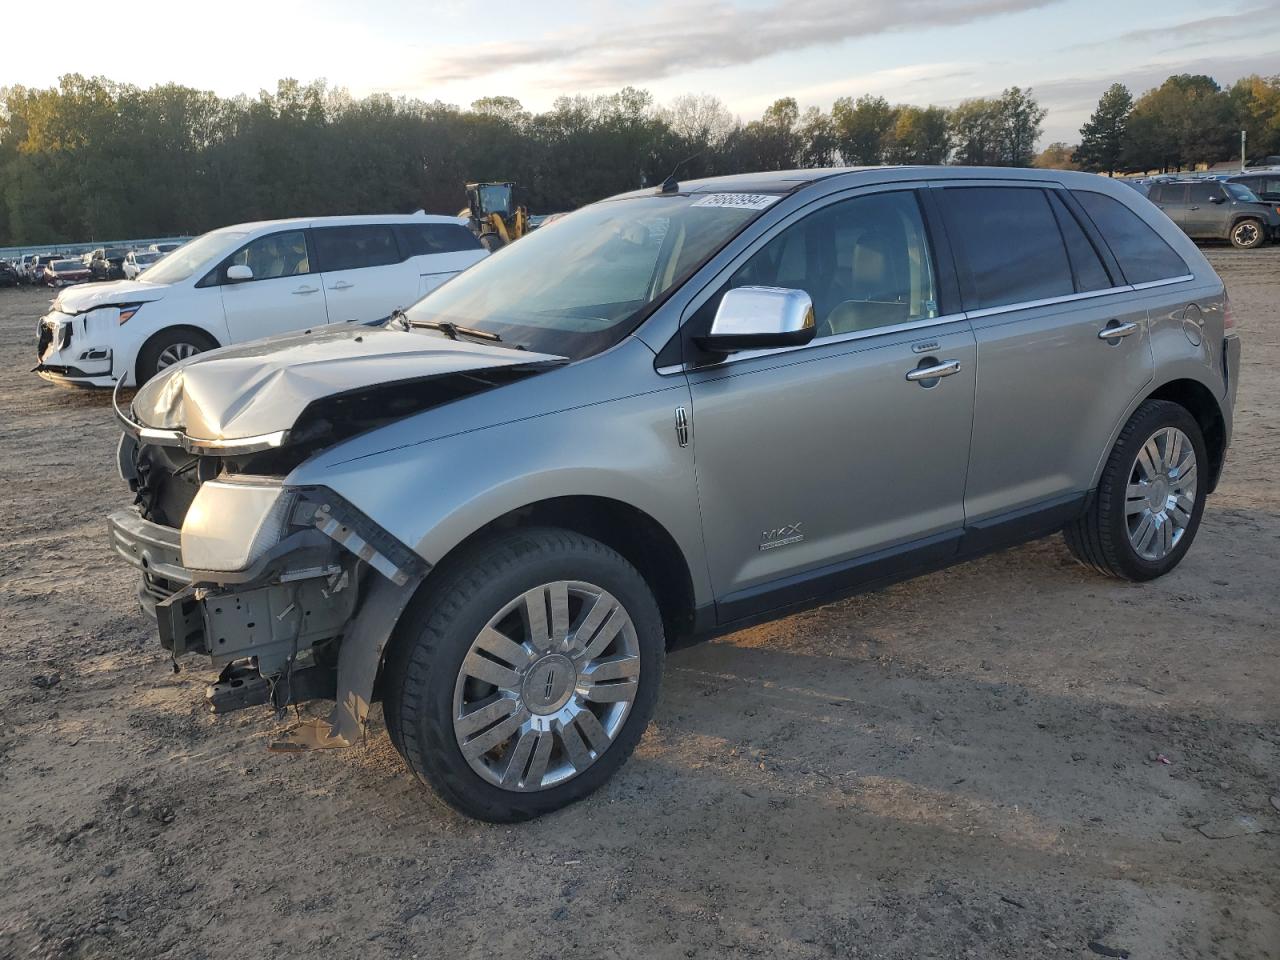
1161, 495
175, 352
547, 685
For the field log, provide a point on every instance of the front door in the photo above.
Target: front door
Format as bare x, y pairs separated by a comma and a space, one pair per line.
821, 465
284, 293
1208, 213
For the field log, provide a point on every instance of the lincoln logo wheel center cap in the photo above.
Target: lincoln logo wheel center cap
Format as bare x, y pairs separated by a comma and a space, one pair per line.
549, 684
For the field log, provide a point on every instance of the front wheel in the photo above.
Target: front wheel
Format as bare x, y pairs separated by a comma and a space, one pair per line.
524, 674
1247, 234
1147, 507
167, 348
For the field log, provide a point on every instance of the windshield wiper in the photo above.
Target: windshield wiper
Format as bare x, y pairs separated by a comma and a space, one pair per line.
447, 327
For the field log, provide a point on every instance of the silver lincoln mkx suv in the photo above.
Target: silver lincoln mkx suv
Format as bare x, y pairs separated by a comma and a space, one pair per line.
670, 414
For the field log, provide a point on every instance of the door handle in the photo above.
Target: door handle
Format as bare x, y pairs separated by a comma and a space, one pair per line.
300, 290
946, 368
1118, 331
342, 285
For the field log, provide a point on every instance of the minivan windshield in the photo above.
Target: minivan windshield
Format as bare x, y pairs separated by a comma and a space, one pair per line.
579, 284
186, 260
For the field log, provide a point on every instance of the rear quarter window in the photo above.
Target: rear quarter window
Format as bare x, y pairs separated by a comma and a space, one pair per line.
355, 247
421, 239
1142, 253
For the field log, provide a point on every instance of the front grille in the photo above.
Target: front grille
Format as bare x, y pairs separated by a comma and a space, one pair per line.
65, 341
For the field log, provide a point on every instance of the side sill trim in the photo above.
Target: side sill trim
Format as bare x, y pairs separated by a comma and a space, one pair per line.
769, 601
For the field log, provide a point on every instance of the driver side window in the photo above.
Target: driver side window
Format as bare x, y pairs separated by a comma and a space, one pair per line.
275, 255
865, 263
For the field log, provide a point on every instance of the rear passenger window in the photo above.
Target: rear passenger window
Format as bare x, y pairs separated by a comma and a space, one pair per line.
1086, 265
1008, 245
1142, 253
351, 248
420, 239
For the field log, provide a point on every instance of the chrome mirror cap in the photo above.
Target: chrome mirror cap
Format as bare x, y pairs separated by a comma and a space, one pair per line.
753, 318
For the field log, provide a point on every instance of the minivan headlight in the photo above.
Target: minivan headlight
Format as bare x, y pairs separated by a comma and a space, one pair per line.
230, 523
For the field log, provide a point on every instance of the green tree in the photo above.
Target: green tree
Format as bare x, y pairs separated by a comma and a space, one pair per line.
1058, 155
920, 135
1102, 136
976, 128
1020, 122
863, 128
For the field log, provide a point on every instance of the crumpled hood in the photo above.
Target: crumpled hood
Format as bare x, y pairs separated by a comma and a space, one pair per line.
262, 387
82, 299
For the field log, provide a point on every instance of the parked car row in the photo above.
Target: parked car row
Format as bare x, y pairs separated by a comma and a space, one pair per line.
104, 263
1243, 208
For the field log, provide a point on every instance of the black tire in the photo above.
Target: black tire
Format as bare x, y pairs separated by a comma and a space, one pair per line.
437, 630
148, 364
1100, 539
1247, 234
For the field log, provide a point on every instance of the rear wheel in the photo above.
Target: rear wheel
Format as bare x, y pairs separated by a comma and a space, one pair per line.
1247, 234
525, 674
169, 347
1147, 506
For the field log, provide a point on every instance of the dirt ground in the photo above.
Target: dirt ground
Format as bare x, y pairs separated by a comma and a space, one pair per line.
956, 767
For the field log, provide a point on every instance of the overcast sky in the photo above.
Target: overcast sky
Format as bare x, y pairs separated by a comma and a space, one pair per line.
747, 52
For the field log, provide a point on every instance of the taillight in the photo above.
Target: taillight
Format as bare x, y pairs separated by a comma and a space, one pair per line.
1228, 318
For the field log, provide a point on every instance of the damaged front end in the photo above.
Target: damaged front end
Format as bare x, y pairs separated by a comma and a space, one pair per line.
292, 590
266, 580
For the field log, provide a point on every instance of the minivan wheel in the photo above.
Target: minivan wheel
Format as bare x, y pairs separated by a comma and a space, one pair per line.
167, 348
1146, 509
524, 674
1247, 234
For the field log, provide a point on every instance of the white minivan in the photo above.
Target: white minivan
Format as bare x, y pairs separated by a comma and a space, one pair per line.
244, 282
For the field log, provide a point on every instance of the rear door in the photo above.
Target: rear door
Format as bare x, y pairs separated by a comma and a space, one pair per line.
1040, 296
364, 272
1172, 199
284, 293
437, 251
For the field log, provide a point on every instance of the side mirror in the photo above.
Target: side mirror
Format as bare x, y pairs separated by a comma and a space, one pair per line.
755, 318
1218, 198
238, 273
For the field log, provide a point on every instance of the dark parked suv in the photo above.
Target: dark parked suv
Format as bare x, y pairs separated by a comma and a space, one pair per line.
1264, 184
1217, 210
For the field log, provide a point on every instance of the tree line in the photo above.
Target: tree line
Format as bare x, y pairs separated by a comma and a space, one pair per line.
95, 159
92, 158
1186, 121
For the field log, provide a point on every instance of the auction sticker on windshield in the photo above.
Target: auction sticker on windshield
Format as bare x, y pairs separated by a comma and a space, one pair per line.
744, 201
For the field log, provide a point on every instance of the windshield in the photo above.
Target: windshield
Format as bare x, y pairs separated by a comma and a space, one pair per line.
577, 286
1241, 192
62, 266
185, 261
145, 257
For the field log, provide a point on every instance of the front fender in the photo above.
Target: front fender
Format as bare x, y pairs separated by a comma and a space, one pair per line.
432, 495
